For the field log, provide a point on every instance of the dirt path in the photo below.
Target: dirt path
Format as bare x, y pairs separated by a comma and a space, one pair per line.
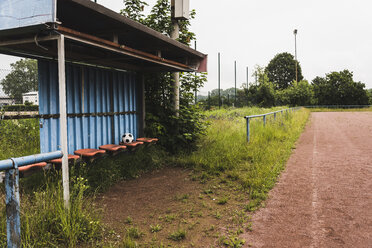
324, 197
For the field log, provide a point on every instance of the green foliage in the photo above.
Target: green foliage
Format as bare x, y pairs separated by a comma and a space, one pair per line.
281, 70
134, 10
175, 133
45, 222
128, 242
21, 107
155, 228
232, 241
224, 151
339, 88
299, 94
22, 78
19, 138
369, 93
265, 95
105, 172
134, 233
159, 18
177, 235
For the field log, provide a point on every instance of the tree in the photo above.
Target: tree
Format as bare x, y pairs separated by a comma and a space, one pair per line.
281, 70
369, 93
22, 78
339, 88
134, 10
299, 94
175, 133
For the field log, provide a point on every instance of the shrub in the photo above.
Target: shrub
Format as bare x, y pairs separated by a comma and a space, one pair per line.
20, 107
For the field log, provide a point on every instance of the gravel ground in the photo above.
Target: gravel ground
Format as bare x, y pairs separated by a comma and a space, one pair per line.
324, 197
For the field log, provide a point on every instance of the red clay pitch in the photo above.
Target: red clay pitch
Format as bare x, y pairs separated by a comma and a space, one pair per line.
324, 197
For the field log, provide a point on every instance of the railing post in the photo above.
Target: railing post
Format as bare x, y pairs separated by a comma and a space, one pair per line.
13, 220
248, 134
274, 116
264, 120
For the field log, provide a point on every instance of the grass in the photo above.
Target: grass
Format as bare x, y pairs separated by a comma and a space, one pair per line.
19, 138
235, 178
46, 223
224, 152
177, 235
155, 228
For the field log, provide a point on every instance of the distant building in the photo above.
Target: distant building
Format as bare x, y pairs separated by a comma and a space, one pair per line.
4, 101
31, 97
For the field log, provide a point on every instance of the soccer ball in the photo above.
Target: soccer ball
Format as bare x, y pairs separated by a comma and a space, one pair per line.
127, 138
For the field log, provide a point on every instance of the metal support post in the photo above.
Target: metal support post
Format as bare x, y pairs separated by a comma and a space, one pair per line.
63, 118
176, 75
264, 120
248, 134
13, 219
274, 116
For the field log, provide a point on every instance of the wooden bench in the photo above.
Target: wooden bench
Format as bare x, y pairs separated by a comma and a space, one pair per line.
113, 149
58, 161
89, 154
132, 146
148, 140
29, 169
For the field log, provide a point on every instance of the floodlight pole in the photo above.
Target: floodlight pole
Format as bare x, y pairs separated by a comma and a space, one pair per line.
295, 35
219, 80
235, 83
63, 117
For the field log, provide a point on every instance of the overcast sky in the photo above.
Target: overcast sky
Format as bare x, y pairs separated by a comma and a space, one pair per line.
332, 35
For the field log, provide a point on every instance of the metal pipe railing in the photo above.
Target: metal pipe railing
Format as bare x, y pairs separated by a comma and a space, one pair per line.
264, 118
13, 219
32, 159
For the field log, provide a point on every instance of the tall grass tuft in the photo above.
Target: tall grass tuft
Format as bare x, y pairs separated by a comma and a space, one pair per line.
45, 222
19, 138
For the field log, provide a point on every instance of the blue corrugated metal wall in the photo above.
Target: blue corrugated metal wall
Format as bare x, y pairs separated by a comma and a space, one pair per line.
89, 90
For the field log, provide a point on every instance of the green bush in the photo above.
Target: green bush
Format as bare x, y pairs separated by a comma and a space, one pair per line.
20, 107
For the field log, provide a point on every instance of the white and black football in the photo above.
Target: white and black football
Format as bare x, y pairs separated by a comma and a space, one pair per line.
127, 138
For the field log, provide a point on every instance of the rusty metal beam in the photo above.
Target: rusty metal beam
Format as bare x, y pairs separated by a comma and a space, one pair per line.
112, 46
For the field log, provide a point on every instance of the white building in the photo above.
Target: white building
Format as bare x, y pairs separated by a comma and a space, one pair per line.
31, 97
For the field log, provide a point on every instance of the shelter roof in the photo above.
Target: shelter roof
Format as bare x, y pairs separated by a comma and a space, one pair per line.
99, 36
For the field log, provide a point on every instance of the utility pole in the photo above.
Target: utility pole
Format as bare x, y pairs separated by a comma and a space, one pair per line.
209, 100
235, 83
247, 76
219, 80
295, 35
